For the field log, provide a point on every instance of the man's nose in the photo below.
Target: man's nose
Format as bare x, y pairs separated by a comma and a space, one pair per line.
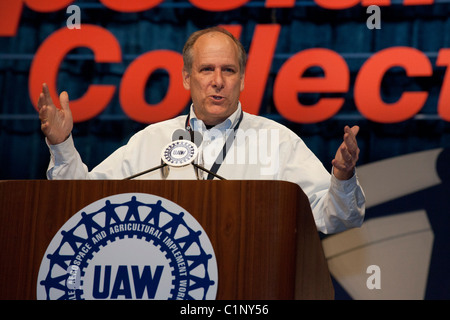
217, 81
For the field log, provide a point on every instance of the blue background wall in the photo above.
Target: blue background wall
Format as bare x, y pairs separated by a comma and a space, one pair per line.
24, 155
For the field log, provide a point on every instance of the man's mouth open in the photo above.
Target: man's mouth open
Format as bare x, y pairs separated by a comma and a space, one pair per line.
217, 98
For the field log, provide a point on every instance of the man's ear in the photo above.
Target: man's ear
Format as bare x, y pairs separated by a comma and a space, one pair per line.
186, 79
242, 82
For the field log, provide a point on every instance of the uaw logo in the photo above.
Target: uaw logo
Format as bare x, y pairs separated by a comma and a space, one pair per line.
129, 246
179, 153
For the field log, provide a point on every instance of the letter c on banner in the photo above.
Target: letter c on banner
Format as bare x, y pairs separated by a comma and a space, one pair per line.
52, 52
290, 82
368, 85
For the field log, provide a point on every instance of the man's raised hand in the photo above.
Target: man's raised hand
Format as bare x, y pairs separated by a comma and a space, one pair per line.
56, 123
347, 155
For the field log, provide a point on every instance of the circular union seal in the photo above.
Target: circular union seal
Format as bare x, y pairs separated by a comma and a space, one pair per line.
179, 153
129, 246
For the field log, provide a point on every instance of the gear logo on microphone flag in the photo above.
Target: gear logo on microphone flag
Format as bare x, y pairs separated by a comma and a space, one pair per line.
179, 153
129, 246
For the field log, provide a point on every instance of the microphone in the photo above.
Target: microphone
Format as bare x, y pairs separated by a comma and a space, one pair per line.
182, 134
178, 153
197, 138
146, 171
207, 171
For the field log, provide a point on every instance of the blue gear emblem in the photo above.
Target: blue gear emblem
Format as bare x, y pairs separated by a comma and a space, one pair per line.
129, 246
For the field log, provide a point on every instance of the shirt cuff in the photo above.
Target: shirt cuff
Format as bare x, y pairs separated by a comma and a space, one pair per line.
344, 186
63, 151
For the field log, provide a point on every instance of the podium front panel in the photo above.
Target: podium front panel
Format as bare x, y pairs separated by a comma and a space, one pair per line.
252, 226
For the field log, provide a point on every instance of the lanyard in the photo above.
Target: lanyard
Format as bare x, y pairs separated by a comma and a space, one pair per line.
216, 165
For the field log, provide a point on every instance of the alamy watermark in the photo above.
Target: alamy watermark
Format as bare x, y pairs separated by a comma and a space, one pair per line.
374, 20
74, 20
250, 147
258, 148
374, 280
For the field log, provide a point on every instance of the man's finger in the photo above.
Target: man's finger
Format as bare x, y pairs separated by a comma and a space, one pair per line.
64, 100
48, 98
347, 157
350, 139
40, 103
42, 107
355, 130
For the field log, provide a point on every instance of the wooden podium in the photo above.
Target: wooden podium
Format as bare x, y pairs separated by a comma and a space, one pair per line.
263, 233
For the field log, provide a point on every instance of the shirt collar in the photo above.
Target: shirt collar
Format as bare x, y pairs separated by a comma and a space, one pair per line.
198, 125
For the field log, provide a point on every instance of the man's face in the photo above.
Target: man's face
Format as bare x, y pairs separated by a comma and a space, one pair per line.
215, 80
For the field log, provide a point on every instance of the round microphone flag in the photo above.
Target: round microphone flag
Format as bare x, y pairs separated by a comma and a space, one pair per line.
179, 153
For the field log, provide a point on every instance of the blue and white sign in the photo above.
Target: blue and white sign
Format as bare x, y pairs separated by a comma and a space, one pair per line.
129, 246
179, 153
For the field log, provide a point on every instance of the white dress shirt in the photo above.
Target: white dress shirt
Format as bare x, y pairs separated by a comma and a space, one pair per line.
261, 150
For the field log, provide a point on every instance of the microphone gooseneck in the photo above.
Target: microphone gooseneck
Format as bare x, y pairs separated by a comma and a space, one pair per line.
178, 153
146, 171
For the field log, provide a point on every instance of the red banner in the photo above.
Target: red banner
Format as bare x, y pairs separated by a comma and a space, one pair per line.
289, 82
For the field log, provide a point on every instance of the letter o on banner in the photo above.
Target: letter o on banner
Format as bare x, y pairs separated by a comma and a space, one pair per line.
131, 5
132, 88
218, 5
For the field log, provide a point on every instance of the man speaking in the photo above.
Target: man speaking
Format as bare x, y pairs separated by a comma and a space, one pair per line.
231, 143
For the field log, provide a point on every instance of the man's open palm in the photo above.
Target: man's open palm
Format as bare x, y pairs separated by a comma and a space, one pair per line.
56, 123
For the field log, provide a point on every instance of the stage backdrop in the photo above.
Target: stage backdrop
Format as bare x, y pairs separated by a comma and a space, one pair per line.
314, 66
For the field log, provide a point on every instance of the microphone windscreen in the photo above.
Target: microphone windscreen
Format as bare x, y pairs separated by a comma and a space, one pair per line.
182, 134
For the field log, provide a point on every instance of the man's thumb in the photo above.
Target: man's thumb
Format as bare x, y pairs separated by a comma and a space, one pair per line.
64, 100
